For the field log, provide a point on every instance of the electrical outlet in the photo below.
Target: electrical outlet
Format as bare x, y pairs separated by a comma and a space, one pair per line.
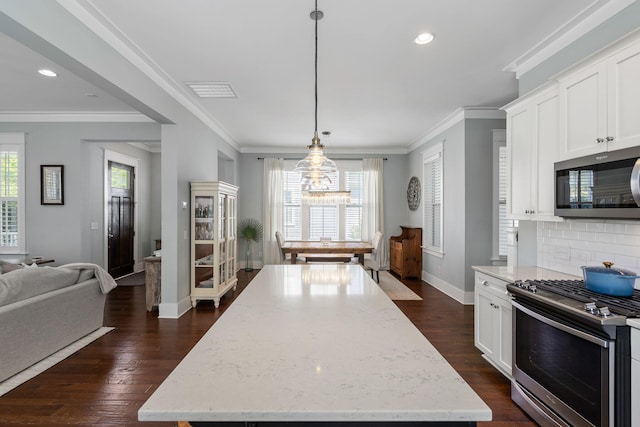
94, 225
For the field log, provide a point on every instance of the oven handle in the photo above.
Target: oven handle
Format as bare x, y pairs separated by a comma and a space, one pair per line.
635, 182
602, 343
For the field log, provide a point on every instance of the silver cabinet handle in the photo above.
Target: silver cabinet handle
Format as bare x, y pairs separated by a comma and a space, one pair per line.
599, 140
609, 138
484, 282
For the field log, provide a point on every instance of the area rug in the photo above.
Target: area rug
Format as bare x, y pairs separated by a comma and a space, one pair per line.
395, 289
24, 376
134, 279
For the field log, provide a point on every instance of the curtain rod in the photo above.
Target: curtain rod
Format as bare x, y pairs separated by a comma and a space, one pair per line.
332, 158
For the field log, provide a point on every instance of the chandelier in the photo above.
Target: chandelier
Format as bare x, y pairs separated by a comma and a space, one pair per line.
316, 168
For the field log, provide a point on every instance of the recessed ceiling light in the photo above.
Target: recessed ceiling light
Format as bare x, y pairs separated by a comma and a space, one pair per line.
48, 73
424, 38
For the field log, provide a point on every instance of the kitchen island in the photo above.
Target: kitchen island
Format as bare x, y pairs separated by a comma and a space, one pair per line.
314, 343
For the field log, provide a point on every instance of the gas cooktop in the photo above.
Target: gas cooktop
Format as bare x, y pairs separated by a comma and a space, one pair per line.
571, 296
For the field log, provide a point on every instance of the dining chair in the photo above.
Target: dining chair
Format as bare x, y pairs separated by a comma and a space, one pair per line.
286, 258
372, 262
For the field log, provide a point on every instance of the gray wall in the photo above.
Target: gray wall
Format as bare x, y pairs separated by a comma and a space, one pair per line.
467, 169
478, 167
155, 198
606, 33
250, 196
63, 232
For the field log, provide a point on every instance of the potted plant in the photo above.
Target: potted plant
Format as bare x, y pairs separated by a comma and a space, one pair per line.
251, 230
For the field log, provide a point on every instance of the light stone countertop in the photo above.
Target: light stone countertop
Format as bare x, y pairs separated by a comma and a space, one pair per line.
314, 343
511, 274
634, 323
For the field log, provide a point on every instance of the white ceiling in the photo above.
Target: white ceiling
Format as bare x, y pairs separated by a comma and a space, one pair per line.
377, 89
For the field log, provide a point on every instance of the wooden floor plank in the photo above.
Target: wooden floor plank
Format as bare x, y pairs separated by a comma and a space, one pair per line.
106, 382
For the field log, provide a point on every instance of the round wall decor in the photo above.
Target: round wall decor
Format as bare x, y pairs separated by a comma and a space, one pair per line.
413, 193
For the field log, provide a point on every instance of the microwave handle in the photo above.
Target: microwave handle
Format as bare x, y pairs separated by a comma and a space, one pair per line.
635, 182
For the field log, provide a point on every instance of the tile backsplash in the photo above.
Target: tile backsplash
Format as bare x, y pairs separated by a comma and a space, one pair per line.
565, 246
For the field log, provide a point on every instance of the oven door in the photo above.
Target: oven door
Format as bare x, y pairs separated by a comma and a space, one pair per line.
561, 372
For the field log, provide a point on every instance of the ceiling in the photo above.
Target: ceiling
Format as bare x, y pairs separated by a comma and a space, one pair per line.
377, 89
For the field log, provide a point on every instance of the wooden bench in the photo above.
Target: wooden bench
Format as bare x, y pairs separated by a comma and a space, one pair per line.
334, 258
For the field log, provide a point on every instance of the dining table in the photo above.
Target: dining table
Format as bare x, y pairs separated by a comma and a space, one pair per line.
329, 247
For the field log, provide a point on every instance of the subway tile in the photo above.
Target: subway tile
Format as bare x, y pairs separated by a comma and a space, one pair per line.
596, 227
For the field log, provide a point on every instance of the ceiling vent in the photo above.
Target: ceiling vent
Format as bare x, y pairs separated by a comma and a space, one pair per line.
212, 89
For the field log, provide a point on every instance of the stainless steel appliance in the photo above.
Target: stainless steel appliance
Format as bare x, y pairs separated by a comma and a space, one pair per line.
604, 185
571, 353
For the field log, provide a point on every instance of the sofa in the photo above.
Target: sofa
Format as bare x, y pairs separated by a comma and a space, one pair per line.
44, 309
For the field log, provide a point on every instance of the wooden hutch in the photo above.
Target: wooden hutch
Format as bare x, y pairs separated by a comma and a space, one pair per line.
405, 252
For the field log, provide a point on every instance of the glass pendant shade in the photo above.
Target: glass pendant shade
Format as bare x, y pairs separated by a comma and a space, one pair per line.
316, 162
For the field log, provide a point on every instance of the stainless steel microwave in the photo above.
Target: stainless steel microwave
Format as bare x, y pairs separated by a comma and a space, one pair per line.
603, 185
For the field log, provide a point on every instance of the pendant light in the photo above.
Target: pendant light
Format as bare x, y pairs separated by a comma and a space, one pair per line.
316, 167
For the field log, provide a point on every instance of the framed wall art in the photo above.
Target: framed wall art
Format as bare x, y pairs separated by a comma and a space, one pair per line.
51, 184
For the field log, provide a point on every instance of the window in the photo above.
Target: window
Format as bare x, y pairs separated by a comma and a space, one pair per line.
12, 193
311, 222
432, 176
503, 222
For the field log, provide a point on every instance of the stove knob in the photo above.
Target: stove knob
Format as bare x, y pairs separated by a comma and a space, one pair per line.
604, 312
533, 288
590, 307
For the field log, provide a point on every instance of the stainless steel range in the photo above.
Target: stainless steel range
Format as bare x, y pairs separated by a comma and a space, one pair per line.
572, 352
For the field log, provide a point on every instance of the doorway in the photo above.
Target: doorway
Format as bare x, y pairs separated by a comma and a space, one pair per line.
120, 225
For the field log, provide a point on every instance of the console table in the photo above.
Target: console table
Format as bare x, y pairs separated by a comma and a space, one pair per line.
152, 276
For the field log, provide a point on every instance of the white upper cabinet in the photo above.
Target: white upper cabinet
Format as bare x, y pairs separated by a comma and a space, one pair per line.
598, 104
532, 149
623, 73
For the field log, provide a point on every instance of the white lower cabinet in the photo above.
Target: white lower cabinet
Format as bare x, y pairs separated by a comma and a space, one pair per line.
492, 326
635, 377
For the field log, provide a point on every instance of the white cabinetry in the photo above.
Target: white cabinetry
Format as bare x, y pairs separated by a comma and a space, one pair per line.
492, 326
213, 240
635, 377
532, 145
599, 105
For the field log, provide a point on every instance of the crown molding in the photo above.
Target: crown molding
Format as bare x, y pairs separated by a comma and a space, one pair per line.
258, 149
73, 116
589, 18
458, 115
153, 147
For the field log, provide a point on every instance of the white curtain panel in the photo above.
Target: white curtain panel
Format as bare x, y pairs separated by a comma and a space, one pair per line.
373, 207
273, 215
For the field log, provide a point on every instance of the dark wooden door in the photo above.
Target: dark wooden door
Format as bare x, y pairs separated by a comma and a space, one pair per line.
120, 227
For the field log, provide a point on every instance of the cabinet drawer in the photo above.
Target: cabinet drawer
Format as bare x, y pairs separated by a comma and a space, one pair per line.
492, 285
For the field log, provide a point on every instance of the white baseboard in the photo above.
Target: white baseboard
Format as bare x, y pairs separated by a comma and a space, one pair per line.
454, 292
174, 310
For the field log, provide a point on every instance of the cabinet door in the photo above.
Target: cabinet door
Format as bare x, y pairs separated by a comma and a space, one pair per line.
584, 112
546, 154
504, 346
484, 324
623, 88
635, 392
519, 149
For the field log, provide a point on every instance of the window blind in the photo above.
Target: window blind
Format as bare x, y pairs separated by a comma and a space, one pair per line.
432, 210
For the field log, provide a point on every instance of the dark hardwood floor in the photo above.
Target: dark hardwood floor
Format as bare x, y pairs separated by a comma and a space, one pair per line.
106, 382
